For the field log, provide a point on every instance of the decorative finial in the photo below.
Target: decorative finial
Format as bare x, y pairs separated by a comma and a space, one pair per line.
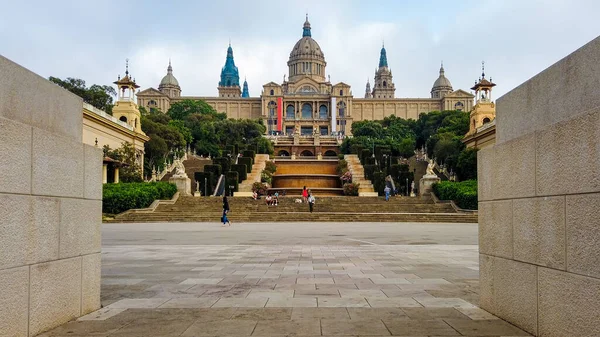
126, 67
96, 141
229, 42
169, 61
482, 69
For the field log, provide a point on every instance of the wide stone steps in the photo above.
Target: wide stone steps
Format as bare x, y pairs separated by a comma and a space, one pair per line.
327, 209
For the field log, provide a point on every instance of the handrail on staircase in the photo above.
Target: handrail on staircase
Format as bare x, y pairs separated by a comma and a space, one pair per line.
220, 188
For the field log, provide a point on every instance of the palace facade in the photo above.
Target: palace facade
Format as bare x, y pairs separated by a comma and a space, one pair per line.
308, 102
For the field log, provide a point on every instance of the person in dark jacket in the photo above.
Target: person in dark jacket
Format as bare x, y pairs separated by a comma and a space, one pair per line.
225, 211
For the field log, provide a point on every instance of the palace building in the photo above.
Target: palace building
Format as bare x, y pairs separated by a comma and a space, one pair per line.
308, 102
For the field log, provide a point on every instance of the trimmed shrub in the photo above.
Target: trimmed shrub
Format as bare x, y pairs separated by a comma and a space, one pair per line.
216, 173
236, 149
266, 177
369, 161
117, 198
249, 153
241, 170
210, 185
341, 156
231, 179
342, 167
369, 170
378, 182
351, 189
246, 161
365, 154
463, 193
231, 149
225, 163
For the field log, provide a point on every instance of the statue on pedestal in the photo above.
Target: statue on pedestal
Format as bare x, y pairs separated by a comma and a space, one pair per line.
430, 166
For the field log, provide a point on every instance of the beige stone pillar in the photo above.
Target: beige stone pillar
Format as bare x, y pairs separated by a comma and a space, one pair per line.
104, 173
539, 195
116, 180
50, 206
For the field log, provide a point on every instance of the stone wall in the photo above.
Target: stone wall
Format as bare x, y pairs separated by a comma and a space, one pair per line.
539, 191
50, 206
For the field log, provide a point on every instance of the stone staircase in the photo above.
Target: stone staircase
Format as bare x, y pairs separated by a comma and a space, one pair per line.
327, 209
245, 188
358, 176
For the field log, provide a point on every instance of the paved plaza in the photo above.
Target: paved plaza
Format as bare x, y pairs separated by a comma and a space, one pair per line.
287, 279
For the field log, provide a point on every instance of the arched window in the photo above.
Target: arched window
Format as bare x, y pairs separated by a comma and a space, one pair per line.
123, 119
486, 120
384, 84
307, 111
341, 92
228, 83
323, 112
272, 92
135, 123
289, 112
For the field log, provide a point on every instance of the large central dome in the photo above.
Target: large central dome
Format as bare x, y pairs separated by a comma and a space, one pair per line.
307, 58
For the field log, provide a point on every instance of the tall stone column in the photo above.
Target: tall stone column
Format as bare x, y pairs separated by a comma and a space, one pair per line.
50, 206
539, 195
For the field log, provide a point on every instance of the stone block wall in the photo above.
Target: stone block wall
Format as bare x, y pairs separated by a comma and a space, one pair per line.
539, 191
50, 206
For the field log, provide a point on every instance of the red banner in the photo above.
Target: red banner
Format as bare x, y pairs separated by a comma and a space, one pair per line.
279, 113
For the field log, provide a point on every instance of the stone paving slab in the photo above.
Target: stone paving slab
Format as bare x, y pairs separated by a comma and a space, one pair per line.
296, 290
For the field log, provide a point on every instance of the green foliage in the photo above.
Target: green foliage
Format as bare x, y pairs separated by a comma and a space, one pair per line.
365, 154
130, 173
180, 110
206, 189
224, 162
249, 153
270, 167
117, 198
266, 177
166, 139
369, 170
351, 189
463, 193
246, 161
434, 122
241, 170
100, 96
342, 167
231, 179
259, 188
466, 166
400, 173
265, 146
184, 130
378, 182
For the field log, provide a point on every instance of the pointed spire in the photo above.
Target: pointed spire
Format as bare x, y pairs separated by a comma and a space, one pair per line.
126, 67
245, 92
383, 58
482, 69
169, 68
306, 28
442, 69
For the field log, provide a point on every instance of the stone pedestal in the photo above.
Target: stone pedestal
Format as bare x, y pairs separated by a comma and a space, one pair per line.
183, 183
426, 182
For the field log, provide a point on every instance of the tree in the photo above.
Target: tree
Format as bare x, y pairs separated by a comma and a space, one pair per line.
466, 166
180, 110
127, 154
100, 96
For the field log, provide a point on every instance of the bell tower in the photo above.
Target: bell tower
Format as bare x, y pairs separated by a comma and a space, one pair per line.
383, 86
484, 110
125, 109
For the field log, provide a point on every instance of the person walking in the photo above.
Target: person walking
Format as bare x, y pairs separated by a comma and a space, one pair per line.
387, 191
304, 194
225, 211
311, 202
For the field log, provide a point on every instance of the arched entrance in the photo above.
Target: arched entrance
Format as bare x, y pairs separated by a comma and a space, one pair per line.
306, 153
330, 153
283, 153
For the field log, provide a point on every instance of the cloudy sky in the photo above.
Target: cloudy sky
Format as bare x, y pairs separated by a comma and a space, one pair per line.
91, 40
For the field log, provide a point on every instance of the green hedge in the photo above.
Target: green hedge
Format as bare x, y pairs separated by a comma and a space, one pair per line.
463, 193
248, 153
199, 177
216, 171
369, 170
117, 198
378, 182
241, 170
364, 153
246, 161
225, 163
369, 161
231, 179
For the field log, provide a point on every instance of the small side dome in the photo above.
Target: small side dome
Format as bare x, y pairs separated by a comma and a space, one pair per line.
442, 83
